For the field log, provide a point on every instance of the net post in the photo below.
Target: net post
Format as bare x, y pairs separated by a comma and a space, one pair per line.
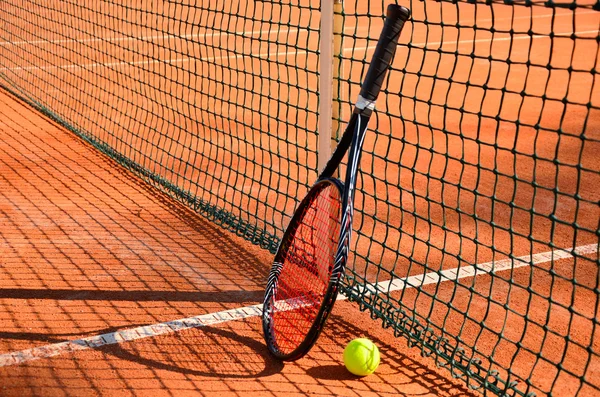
325, 84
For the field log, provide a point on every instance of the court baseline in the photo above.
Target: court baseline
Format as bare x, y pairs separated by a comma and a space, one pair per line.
209, 319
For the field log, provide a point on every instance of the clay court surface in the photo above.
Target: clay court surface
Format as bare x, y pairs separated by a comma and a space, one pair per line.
87, 249
109, 287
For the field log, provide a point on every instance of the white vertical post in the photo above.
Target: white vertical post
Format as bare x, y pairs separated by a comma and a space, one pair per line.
325, 84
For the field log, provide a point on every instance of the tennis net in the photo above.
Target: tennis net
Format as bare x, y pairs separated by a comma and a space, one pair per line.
478, 204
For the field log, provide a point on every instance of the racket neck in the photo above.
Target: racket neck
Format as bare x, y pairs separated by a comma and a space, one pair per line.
358, 138
346, 141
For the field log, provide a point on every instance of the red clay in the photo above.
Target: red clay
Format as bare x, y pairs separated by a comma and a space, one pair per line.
86, 248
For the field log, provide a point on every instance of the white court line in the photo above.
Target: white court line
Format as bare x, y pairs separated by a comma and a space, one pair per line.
269, 55
169, 327
166, 36
521, 37
474, 271
252, 33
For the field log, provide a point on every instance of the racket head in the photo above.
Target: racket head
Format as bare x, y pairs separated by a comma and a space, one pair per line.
303, 283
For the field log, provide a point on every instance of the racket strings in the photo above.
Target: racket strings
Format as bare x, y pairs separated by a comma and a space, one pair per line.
307, 266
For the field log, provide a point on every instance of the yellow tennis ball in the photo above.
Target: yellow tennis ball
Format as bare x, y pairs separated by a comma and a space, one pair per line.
361, 357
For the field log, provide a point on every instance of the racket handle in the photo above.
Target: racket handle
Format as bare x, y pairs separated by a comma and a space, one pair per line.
383, 56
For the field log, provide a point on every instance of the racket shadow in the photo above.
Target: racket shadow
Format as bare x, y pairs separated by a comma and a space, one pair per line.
207, 352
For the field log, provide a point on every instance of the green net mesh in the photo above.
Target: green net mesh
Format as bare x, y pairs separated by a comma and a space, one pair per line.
477, 216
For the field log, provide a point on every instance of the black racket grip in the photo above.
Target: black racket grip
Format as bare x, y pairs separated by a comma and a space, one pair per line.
384, 52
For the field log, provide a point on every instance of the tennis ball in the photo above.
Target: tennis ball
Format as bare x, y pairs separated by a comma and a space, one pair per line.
361, 357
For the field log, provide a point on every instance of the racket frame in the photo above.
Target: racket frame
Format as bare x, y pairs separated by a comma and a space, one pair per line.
352, 139
329, 296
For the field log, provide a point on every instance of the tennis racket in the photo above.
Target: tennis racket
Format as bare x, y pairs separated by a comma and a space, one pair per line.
311, 258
